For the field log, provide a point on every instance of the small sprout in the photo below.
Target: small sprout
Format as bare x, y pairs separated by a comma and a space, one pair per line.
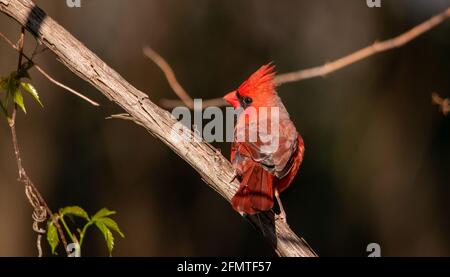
14, 88
101, 219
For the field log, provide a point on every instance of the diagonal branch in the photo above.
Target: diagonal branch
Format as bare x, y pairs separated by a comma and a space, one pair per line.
214, 169
323, 70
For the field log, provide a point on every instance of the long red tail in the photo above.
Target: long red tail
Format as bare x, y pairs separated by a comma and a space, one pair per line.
255, 194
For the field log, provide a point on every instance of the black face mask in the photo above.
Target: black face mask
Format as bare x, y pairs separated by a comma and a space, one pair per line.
244, 101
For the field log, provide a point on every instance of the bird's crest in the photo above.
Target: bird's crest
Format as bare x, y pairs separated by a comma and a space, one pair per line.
260, 82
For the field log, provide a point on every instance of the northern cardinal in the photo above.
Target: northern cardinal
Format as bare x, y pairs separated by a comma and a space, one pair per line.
263, 171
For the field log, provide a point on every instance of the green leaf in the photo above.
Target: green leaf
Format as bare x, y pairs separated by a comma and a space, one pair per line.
102, 213
105, 225
52, 236
111, 224
74, 210
109, 238
18, 99
31, 90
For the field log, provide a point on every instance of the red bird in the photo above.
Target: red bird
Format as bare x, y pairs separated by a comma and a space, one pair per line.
266, 165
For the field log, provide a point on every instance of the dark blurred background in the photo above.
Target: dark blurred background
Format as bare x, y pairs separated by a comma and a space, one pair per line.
377, 162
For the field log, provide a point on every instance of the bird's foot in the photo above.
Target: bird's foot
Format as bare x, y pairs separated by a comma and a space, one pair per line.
282, 215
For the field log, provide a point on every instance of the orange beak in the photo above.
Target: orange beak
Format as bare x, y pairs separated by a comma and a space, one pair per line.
232, 99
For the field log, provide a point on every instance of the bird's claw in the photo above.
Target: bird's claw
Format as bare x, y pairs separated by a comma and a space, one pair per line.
282, 215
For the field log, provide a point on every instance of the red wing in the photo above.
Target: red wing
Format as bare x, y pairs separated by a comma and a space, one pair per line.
270, 149
293, 165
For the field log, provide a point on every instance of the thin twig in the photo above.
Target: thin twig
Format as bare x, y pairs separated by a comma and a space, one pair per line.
34, 196
185, 98
30, 188
368, 51
125, 116
61, 85
323, 70
170, 75
36, 50
46, 75
19, 46
444, 104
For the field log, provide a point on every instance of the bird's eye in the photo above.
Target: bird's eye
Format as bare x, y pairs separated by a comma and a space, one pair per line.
247, 100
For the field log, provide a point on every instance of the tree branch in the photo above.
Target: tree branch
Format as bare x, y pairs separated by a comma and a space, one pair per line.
323, 70
205, 159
